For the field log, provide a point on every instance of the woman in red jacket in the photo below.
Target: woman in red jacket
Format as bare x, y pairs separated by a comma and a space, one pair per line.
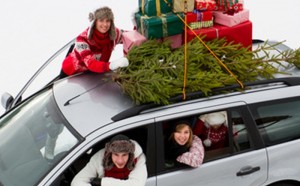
94, 46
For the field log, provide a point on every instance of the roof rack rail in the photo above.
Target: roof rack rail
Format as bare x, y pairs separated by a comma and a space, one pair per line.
290, 81
255, 41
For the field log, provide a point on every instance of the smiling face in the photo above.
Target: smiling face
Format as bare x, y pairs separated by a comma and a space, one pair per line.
103, 25
182, 134
120, 159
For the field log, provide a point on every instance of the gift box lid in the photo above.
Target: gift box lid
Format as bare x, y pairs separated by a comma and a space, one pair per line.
231, 20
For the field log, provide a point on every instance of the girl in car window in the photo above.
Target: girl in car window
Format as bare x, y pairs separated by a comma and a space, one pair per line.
94, 46
182, 147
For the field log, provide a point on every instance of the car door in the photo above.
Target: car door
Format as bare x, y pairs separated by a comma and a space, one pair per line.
278, 122
142, 132
242, 162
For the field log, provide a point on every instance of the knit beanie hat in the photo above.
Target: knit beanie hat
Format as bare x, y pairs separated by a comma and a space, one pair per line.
101, 13
119, 143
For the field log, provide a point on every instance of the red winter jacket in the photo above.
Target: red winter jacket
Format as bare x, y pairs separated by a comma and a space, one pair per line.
91, 54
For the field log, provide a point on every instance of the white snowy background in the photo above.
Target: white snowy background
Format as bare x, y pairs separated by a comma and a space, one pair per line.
32, 30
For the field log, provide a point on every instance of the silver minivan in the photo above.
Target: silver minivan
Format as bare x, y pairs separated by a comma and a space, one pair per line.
78, 114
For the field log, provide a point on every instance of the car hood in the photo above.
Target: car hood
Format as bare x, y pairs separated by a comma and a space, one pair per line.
89, 101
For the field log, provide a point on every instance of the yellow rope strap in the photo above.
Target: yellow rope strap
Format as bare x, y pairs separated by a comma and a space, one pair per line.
185, 53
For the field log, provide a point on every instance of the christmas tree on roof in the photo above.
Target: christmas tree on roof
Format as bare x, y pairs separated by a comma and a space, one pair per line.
157, 72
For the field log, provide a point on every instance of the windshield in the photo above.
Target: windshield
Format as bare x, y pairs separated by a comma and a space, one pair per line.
33, 138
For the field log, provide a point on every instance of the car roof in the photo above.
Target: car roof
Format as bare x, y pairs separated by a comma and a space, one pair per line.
90, 100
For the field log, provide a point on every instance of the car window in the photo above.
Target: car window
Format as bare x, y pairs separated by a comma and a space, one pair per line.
34, 138
241, 139
278, 121
213, 130
230, 138
46, 73
139, 134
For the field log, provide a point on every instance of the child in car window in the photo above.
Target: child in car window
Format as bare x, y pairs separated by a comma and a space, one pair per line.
213, 130
122, 162
182, 147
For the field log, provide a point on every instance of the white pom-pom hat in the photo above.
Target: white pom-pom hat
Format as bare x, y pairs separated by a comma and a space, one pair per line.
216, 118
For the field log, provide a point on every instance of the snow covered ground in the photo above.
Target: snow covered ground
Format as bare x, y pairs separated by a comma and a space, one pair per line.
32, 30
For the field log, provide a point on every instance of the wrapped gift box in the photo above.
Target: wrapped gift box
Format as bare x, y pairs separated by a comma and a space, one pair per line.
205, 16
175, 40
178, 6
159, 26
155, 7
231, 20
200, 19
229, 5
208, 5
197, 16
191, 17
130, 39
241, 33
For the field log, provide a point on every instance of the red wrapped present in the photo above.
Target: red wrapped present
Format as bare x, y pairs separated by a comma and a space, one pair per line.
205, 16
191, 17
130, 39
241, 33
200, 19
197, 16
229, 6
231, 20
205, 5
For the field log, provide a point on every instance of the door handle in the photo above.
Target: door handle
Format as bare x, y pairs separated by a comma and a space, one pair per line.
247, 170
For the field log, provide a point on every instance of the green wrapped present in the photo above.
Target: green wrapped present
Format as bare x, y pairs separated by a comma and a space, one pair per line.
159, 26
155, 7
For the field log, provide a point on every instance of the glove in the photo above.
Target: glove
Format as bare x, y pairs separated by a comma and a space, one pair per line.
122, 62
96, 181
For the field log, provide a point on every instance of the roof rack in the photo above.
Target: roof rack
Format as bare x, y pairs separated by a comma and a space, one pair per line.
289, 81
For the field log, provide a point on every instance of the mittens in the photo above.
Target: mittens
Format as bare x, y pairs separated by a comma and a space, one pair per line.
96, 181
118, 63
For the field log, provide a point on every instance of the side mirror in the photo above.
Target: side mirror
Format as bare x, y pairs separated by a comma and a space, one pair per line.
6, 100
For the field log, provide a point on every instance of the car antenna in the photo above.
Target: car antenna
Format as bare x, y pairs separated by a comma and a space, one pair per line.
68, 102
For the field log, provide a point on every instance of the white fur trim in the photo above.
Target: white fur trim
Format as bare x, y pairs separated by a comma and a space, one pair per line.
215, 118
